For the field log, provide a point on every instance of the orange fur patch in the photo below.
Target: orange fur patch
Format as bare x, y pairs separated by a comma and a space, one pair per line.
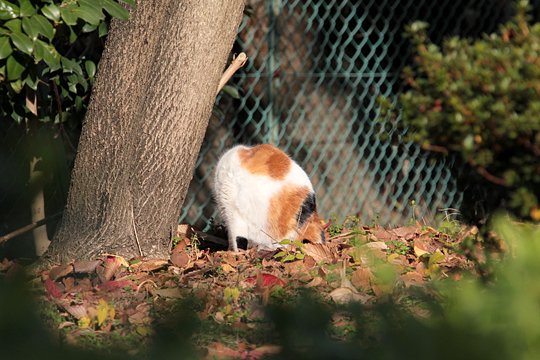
312, 229
283, 210
265, 160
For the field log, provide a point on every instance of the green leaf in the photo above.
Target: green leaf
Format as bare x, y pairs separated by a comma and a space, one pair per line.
51, 12
90, 12
103, 29
231, 91
5, 47
300, 256
48, 53
116, 10
90, 67
8, 10
14, 25
26, 8
88, 28
289, 257
43, 26
72, 35
22, 42
14, 69
280, 254
68, 14
71, 66
29, 28
73, 81
31, 81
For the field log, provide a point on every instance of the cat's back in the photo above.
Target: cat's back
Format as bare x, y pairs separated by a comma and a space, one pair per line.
262, 165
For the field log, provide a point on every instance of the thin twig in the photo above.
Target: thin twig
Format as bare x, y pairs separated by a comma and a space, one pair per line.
236, 64
490, 177
144, 282
343, 236
135, 231
29, 227
435, 148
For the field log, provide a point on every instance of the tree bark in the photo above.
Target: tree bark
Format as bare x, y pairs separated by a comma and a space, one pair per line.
148, 113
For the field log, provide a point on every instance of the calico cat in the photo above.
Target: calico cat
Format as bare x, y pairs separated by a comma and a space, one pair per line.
264, 197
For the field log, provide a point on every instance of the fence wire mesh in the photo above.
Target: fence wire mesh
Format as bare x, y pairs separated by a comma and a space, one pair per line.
311, 85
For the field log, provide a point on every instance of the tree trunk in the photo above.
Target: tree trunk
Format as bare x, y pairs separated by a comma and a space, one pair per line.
149, 110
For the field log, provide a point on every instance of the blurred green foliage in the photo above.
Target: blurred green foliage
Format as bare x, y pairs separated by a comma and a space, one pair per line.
481, 100
49, 52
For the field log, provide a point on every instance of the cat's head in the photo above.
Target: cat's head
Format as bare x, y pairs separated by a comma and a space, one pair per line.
312, 230
310, 225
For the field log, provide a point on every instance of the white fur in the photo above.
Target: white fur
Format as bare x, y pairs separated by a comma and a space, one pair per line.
243, 199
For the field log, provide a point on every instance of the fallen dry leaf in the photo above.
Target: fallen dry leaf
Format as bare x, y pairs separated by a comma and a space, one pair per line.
77, 311
150, 265
382, 234
319, 252
115, 284
315, 282
86, 266
219, 351
347, 295
58, 272
376, 245
109, 268
420, 248
406, 232
264, 350
179, 257
173, 293
397, 259
412, 278
361, 279
227, 269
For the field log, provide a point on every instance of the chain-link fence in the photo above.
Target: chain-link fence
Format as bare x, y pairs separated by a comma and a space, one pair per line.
315, 71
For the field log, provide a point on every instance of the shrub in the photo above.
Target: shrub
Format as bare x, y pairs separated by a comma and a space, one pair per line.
48, 55
480, 99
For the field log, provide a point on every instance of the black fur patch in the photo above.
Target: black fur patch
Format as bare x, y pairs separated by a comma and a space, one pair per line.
309, 206
241, 242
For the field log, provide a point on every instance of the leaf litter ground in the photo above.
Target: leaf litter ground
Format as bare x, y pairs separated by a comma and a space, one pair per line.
112, 302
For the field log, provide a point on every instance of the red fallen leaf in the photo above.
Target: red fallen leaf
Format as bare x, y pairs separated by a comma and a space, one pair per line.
114, 284
53, 289
265, 280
